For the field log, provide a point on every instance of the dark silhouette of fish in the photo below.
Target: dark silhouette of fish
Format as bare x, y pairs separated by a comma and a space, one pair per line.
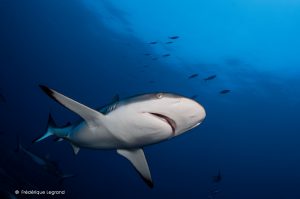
169, 42
174, 37
210, 77
193, 76
154, 59
166, 55
153, 42
218, 177
147, 54
225, 91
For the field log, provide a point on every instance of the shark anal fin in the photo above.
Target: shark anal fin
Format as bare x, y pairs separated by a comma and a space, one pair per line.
138, 160
92, 117
75, 149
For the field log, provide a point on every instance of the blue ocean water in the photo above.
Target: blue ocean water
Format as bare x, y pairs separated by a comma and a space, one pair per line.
92, 50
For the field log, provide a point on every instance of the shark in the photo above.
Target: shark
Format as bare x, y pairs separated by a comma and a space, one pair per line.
127, 125
48, 165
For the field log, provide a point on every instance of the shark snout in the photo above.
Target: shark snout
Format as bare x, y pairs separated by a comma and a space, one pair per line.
189, 115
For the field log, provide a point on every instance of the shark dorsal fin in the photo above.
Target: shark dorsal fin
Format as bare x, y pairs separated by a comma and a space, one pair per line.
111, 106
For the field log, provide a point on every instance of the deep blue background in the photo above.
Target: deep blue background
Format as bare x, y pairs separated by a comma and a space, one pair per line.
251, 134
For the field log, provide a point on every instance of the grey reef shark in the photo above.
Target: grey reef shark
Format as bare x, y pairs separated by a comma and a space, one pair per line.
128, 125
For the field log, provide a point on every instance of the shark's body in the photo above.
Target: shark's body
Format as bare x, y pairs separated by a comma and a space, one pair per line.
128, 125
49, 166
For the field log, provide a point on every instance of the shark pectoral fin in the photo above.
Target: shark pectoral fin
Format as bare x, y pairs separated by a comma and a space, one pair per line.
75, 149
138, 160
91, 116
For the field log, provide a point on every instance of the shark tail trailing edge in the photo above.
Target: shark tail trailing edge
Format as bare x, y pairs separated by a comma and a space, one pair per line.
50, 130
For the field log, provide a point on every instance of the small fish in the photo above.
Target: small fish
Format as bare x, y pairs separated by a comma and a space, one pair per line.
147, 54
193, 76
194, 96
166, 55
174, 37
218, 177
169, 42
224, 91
146, 66
154, 59
210, 77
153, 42
151, 82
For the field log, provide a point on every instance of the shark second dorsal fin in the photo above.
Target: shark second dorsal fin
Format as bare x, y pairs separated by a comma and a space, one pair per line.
138, 160
91, 116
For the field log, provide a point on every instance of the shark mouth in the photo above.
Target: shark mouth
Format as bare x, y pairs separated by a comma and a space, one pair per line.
166, 119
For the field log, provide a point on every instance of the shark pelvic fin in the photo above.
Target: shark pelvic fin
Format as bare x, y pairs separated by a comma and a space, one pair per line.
138, 160
75, 149
91, 116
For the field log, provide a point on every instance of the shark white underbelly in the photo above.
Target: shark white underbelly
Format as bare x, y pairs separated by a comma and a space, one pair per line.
128, 125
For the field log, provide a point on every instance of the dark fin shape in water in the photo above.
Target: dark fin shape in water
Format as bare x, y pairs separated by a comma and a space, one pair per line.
210, 77
174, 37
193, 76
225, 91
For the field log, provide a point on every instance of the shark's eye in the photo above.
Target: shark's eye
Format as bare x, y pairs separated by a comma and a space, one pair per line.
159, 95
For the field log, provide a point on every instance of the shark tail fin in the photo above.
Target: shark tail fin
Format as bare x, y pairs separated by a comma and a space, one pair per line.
49, 131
